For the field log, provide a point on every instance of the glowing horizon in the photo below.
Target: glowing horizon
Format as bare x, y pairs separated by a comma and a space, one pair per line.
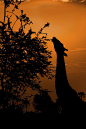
81, 1
68, 24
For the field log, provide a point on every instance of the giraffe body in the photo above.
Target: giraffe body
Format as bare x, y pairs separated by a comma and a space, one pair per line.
67, 96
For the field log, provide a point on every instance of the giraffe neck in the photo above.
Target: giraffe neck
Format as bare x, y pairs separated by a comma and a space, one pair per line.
61, 82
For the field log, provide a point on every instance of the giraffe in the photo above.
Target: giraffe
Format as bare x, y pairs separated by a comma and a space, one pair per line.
67, 96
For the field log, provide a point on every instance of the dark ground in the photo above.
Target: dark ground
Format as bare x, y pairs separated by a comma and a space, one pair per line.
46, 119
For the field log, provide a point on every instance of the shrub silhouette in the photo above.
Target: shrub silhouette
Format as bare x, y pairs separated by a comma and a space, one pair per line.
42, 102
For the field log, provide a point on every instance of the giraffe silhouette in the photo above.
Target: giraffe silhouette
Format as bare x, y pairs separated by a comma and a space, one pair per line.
68, 97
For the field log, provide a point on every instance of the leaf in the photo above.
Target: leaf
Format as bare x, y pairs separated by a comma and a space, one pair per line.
23, 16
8, 2
22, 11
16, 6
31, 22
27, 19
46, 25
44, 37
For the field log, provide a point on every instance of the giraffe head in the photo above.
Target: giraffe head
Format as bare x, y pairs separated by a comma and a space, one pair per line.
59, 46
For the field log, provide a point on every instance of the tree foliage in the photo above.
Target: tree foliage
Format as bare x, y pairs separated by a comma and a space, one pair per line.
23, 59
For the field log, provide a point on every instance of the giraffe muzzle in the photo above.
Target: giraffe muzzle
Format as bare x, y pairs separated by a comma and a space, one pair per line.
65, 49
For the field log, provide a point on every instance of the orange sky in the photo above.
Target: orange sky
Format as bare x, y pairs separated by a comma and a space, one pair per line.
68, 24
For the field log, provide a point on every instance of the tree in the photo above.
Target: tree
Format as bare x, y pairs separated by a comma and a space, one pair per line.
43, 102
81, 95
22, 59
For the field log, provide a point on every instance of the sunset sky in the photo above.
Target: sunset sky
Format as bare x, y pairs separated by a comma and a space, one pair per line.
68, 24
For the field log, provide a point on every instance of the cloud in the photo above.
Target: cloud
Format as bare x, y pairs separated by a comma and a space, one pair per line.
78, 67
15, 0
75, 1
81, 1
78, 49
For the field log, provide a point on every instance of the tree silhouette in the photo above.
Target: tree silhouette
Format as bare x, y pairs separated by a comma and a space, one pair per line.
42, 101
81, 95
23, 59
